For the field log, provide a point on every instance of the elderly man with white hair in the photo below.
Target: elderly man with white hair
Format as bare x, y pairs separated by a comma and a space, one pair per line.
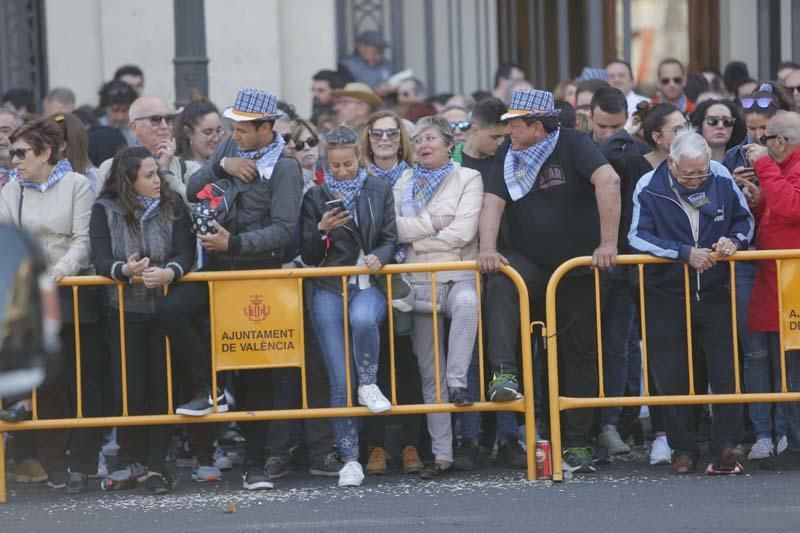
689, 209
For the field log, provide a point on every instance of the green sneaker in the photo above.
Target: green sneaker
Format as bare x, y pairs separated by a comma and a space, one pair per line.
504, 387
579, 460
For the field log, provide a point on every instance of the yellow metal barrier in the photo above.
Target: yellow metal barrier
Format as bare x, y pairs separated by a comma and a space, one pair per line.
222, 285
787, 285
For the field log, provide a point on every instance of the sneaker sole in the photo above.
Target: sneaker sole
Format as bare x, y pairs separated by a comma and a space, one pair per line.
29, 479
204, 412
379, 410
505, 395
261, 485
206, 480
347, 484
660, 462
279, 475
323, 473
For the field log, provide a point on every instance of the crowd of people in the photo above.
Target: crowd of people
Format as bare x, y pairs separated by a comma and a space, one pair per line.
383, 173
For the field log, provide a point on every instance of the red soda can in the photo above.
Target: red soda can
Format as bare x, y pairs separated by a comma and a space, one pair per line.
544, 464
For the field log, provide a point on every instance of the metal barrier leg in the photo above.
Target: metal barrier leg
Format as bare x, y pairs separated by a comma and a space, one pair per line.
2, 468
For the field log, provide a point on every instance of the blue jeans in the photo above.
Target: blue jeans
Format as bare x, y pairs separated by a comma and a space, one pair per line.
763, 374
619, 313
367, 311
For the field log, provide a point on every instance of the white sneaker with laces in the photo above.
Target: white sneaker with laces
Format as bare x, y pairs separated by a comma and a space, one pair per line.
351, 474
373, 399
221, 459
102, 468
660, 453
610, 440
761, 449
783, 443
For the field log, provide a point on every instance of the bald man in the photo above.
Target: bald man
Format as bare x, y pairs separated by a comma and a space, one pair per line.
151, 123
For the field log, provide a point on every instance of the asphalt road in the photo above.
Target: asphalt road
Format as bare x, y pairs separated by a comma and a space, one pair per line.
627, 496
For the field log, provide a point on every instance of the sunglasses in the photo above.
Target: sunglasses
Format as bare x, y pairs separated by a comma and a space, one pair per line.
341, 136
794, 89
462, 125
727, 122
764, 138
155, 120
763, 103
377, 134
676, 81
301, 145
19, 153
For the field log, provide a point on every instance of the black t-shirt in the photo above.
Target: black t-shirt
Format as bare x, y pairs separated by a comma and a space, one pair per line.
558, 219
490, 171
484, 166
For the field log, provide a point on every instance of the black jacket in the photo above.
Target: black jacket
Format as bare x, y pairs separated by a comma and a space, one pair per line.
267, 212
626, 156
374, 230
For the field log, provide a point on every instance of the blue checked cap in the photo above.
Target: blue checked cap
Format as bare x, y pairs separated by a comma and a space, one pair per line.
530, 103
592, 74
253, 104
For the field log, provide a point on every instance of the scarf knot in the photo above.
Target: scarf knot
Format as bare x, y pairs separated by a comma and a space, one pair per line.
347, 190
266, 157
391, 175
61, 169
424, 184
521, 167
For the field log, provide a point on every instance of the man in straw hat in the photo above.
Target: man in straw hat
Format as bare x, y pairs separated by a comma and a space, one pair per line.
354, 104
562, 200
265, 190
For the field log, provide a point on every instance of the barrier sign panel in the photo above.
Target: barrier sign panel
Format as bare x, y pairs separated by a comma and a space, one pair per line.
790, 302
258, 323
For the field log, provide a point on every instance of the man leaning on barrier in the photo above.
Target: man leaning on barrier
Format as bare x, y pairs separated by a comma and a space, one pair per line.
263, 190
562, 200
689, 209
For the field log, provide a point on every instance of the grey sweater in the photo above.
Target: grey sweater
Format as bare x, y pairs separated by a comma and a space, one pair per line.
267, 211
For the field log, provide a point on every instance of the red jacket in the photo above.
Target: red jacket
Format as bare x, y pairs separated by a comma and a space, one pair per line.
778, 226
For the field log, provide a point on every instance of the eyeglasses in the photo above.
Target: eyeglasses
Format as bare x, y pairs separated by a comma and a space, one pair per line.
391, 134
462, 125
763, 103
727, 122
794, 89
682, 127
676, 81
699, 177
19, 153
155, 120
301, 145
341, 136
764, 138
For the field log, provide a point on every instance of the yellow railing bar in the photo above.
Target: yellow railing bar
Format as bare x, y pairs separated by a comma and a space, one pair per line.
346, 320
213, 348
35, 404
389, 298
781, 331
734, 329
437, 370
123, 345
688, 304
643, 327
481, 370
599, 326
302, 334
78, 392
168, 359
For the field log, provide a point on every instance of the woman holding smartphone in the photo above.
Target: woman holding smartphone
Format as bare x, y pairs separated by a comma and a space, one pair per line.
349, 221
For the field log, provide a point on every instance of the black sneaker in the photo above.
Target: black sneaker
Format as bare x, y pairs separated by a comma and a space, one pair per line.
510, 454
465, 456
787, 460
327, 465
277, 466
255, 478
299, 456
579, 460
78, 483
57, 479
202, 404
160, 483
504, 388
460, 397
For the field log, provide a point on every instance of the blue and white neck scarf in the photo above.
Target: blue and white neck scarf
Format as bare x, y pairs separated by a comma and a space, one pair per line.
521, 167
266, 157
59, 171
391, 175
424, 184
347, 190
150, 206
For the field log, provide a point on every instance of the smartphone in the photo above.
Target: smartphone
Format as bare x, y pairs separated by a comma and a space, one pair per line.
333, 204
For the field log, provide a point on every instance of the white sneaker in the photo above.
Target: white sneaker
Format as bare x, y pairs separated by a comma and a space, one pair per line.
221, 459
783, 443
761, 449
660, 453
351, 474
373, 399
102, 468
610, 440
